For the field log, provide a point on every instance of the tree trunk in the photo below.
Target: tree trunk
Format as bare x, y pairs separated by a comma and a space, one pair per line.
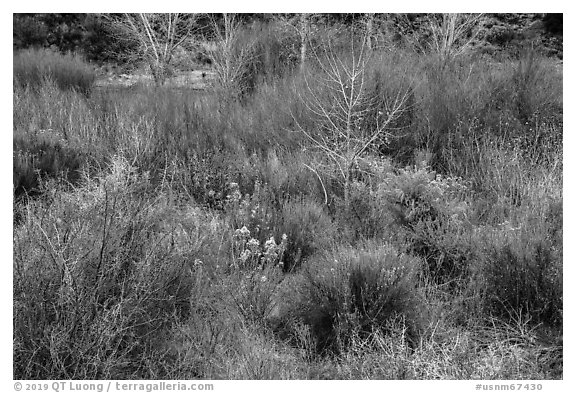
347, 187
304, 35
369, 31
158, 73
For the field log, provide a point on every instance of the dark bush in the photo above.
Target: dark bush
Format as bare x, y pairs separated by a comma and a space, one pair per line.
43, 158
28, 31
554, 23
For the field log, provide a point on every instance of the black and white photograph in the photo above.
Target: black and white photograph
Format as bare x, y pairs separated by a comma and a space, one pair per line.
287, 196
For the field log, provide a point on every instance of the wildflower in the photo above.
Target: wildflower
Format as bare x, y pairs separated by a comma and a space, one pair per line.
242, 232
270, 243
253, 243
198, 262
245, 255
263, 279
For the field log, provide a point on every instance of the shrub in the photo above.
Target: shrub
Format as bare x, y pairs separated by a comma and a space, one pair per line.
28, 31
55, 135
456, 110
419, 209
100, 274
521, 268
254, 293
250, 254
358, 291
69, 72
429, 208
302, 224
288, 175
309, 229
535, 91
365, 216
43, 157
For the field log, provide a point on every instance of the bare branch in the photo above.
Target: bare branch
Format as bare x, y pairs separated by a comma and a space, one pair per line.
157, 37
342, 135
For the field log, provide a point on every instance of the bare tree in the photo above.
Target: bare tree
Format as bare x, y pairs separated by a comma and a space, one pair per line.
154, 37
301, 25
342, 103
452, 35
304, 32
231, 58
369, 21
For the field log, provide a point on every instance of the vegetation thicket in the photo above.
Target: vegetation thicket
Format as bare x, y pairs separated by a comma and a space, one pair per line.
372, 212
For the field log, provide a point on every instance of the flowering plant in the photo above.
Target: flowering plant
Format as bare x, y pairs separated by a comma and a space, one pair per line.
249, 252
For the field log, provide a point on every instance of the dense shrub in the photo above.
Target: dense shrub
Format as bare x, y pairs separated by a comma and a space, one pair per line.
34, 159
254, 293
432, 211
309, 229
523, 277
28, 31
365, 216
358, 291
99, 274
554, 23
69, 72
421, 210
152, 130
459, 108
52, 134
532, 102
520, 264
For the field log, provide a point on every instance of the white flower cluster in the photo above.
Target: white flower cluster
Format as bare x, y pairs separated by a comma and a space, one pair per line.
252, 253
235, 196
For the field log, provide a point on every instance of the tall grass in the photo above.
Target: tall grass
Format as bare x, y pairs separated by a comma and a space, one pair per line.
475, 100
68, 71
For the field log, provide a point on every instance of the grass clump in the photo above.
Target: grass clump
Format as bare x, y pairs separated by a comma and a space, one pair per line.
33, 66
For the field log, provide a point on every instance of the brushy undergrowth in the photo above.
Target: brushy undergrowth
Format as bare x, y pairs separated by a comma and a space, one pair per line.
99, 273
174, 234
